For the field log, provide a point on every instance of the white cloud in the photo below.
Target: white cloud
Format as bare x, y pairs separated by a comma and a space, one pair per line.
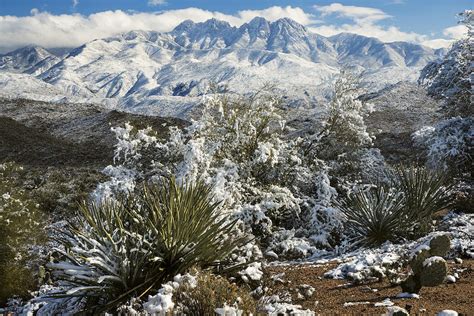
72, 30
455, 32
75, 3
156, 2
358, 14
275, 13
365, 22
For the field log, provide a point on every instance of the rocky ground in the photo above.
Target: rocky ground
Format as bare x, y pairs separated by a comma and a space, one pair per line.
400, 110
340, 297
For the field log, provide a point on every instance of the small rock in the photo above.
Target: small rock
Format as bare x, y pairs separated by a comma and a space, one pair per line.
458, 260
397, 311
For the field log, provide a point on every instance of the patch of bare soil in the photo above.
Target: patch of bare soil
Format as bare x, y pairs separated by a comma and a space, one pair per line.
330, 296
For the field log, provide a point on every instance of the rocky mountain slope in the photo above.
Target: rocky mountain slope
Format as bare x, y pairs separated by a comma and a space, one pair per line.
46, 134
145, 70
30, 60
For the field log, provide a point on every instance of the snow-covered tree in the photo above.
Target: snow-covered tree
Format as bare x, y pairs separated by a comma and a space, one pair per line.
343, 128
450, 79
450, 142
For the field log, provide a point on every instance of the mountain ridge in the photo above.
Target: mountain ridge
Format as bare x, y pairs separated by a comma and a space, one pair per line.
140, 68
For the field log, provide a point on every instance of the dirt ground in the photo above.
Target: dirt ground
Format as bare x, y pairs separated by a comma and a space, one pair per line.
330, 295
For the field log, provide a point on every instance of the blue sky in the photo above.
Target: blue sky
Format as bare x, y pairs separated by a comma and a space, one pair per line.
69, 23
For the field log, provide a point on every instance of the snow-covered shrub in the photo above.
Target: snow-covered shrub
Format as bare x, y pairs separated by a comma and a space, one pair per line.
131, 161
129, 246
21, 235
449, 144
343, 128
279, 185
239, 146
450, 79
212, 294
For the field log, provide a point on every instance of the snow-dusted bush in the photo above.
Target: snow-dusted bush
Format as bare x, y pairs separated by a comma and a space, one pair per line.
449, 144
450, 79
212, 295
343, 128
279, 186
128, 247
21, 235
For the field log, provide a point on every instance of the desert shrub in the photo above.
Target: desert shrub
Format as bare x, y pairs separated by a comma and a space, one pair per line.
450, 78
212, 292
127, 247
343, 128
375, 215
449, 144
271, 179
60, 190
21, 235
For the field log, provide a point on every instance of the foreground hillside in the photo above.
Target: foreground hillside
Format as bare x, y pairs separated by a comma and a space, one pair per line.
358, 203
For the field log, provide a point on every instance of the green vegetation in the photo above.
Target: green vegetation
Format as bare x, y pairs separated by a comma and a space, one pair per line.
402, 210
21, 231
213, 292
127, 248
428, 268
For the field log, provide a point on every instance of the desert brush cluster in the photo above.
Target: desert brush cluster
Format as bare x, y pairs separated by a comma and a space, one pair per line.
185, 222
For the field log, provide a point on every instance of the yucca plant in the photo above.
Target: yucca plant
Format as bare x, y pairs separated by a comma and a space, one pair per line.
190, 229
425, 193
402, 210
375, 215
128, 248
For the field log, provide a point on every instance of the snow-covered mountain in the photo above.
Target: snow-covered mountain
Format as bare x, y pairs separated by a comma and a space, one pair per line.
144, 69
30, 59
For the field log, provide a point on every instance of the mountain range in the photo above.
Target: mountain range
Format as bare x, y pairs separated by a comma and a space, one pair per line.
166, 73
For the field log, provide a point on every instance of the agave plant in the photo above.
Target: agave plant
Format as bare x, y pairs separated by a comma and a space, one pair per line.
375, 215
127, 248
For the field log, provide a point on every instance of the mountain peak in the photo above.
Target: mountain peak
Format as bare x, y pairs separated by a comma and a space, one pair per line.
289, 23
184, 26
216, 24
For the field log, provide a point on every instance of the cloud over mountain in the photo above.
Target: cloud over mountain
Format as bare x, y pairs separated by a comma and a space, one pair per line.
70, 30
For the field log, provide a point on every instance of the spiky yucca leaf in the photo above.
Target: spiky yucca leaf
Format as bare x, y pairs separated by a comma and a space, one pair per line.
426, 192
375, 215
128, 248
188, 225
